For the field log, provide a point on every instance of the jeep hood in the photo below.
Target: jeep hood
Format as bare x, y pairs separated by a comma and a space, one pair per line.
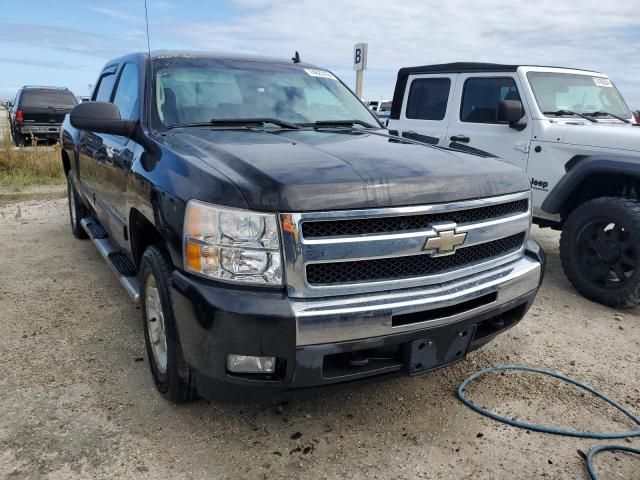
604, 135
305, 170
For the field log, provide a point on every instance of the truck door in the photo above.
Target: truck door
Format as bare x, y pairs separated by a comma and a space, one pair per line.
92, 150
474, 126
112, 173
426, 108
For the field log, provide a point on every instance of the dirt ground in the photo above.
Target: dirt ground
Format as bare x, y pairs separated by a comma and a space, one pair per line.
76, 400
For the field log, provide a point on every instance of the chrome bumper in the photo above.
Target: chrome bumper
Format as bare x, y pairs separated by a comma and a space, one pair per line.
26, 129
366, 316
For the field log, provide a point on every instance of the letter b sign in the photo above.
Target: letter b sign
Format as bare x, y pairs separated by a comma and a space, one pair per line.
360, 56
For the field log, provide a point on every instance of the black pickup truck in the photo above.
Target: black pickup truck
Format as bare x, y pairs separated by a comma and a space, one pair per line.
37, 112
278, 238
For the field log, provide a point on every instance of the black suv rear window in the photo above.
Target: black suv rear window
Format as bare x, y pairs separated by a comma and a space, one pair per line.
47, 98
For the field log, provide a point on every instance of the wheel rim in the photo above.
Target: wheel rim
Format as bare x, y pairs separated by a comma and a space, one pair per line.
155, 323
608, 255
72, 205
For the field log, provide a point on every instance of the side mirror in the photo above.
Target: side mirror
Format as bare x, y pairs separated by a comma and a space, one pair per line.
101, 117
511, 112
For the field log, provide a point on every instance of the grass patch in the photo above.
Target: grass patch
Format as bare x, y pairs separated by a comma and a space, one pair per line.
36, 165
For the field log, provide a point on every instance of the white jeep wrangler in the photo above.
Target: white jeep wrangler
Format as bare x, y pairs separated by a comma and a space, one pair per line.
570, 130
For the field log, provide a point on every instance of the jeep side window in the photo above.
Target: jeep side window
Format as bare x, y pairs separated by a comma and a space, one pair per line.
428, 98
102, 92
126, 95
481, 97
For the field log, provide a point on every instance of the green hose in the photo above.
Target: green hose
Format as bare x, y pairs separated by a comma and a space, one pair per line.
556, 431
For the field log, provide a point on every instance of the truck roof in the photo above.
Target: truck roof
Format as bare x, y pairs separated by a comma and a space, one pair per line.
160, 54
463, 67
42, 87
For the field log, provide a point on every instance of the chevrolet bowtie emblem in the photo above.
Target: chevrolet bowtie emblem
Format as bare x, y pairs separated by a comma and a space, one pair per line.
445, 241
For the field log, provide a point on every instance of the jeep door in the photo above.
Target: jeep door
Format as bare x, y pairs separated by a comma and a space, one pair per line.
426, 108
474, 125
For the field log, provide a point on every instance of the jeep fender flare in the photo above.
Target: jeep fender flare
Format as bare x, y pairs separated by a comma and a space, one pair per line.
580, 168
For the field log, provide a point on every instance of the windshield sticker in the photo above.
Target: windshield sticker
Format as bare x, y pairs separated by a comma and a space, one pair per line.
602, 82
315, 72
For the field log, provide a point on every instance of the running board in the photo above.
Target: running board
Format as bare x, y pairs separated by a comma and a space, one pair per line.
118, 263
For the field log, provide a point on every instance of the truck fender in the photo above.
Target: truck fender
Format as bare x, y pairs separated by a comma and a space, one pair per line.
580, 168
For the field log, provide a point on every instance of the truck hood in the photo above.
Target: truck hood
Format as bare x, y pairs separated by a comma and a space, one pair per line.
615, 136
306, 170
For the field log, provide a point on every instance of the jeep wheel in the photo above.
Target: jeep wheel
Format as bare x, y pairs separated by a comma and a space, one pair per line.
600, 251
172, 376
77, 211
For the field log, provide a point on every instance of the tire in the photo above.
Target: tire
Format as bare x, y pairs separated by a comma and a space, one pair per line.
77, 210
172, 376
19, 139
600, 251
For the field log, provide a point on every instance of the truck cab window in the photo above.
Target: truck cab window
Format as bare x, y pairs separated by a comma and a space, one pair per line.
126, 95
482, 96
105, 85
428, 98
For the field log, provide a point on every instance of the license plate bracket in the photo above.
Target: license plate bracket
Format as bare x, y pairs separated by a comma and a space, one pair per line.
437, 350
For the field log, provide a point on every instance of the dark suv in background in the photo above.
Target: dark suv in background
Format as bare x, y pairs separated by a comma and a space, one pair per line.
38, 112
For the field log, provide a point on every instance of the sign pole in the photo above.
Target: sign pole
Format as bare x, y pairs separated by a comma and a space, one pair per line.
359, 65
359, 78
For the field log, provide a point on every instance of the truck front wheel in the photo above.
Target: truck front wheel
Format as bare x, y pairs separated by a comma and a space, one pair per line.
172, 376
600, 251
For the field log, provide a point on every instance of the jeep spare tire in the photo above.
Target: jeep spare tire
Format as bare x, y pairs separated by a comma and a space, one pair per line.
600, 251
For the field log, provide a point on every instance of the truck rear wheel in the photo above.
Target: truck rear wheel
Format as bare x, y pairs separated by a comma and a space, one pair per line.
77, 211
172, 376
19, 139
600, 251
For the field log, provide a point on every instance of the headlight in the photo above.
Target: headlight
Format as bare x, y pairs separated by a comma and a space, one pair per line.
232, 244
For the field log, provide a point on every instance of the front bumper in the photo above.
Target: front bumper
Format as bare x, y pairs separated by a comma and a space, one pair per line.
314, 339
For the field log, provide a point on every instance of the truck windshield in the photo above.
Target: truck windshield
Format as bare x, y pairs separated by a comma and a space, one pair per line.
47, 98
199, 90
583, 94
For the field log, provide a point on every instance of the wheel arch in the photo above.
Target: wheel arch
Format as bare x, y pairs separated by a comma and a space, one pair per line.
142, 234
590, 177
66, 162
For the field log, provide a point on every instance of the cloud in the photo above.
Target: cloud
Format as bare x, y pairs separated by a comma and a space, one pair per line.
589, 34
69, 40
41, 63
117, 14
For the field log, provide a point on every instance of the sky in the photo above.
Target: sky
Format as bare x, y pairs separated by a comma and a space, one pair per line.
66, 42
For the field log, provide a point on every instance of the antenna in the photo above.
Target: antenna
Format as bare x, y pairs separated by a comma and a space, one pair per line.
146, 19
295, 58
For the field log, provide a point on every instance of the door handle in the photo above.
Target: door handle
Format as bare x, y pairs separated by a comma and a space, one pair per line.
460, 138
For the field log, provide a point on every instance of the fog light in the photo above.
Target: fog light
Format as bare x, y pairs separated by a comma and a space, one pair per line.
247, 364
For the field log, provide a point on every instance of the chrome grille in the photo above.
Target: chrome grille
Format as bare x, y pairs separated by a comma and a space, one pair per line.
410, 266
360, 251
365, 226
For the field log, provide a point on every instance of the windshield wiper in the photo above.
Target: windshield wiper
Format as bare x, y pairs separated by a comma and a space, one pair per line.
249, 121
606, 114
341, 123
559, 113
238, 122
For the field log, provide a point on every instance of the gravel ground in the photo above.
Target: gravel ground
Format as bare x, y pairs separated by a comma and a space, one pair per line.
76, 400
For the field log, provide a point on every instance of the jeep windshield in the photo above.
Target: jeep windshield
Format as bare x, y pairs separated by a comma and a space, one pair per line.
568, 94
223, 92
